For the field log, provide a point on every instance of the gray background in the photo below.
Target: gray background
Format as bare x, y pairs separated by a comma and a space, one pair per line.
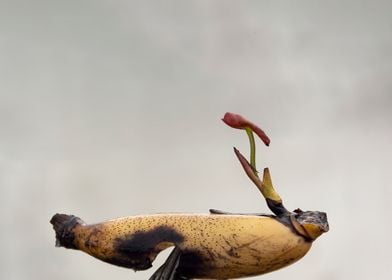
112, 108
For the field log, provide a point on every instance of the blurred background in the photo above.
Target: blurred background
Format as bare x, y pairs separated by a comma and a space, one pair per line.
112, 108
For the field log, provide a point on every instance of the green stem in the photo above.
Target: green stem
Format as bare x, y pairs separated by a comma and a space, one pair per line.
252, 149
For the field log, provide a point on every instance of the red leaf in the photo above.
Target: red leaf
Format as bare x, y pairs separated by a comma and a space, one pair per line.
239, 122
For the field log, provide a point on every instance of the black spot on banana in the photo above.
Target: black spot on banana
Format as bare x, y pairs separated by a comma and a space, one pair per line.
219, 245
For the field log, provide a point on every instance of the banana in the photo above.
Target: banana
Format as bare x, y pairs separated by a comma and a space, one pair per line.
212, 246
218, 245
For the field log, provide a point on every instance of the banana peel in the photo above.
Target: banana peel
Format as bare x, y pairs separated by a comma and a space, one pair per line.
218, 245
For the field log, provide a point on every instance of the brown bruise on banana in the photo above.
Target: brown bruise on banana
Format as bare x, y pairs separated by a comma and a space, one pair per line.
212, 246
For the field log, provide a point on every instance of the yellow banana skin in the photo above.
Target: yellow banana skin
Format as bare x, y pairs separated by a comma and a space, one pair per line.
212, 246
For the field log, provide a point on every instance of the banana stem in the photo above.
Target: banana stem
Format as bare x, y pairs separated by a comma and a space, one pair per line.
265, 186
252, 144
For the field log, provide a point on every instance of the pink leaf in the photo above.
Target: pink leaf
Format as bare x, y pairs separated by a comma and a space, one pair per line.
239, 122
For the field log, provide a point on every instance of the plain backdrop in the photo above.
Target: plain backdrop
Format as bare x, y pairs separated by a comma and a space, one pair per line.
112, 108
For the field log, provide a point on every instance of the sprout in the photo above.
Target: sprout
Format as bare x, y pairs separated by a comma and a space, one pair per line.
265, 186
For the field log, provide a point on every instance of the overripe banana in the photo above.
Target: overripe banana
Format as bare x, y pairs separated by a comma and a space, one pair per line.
218, 245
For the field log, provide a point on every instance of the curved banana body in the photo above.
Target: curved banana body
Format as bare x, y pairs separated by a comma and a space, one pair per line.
212, 246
